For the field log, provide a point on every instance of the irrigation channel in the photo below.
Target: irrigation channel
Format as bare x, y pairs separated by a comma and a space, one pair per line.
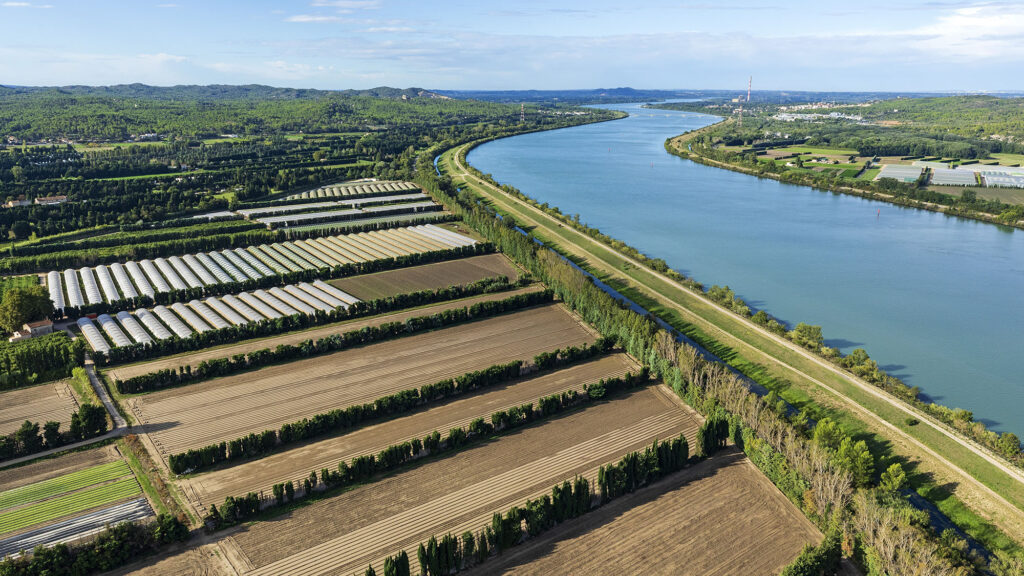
931, 297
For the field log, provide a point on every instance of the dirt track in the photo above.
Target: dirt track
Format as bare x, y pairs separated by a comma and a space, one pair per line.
427, 277
295, 464
194, 358
720, 517
342, 534
226, 408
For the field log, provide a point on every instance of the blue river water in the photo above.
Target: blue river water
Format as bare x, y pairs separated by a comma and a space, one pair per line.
936, 300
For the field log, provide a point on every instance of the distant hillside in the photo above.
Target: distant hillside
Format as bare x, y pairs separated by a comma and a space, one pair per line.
614, 95
606, 95
126, 112
216, 92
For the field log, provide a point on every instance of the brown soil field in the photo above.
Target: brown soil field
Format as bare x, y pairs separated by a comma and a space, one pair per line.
226, 408
41, 403
204, 560
194, 358
675, 526
53, 467
427, 277
261, 475
342, 534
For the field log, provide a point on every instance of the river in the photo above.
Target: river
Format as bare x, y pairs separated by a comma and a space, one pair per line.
936, 300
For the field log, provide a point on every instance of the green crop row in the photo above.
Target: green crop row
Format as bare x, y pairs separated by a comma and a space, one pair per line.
62, 484
65, 505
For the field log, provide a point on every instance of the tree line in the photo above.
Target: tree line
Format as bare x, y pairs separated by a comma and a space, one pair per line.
113, 547
219, 367
87, 422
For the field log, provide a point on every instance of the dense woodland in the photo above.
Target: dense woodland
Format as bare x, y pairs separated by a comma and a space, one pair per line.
282, 140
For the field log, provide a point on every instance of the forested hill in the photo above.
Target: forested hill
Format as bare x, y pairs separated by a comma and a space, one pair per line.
117, 113
215, 92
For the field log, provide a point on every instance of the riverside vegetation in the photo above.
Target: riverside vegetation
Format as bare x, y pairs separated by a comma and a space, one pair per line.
826, 475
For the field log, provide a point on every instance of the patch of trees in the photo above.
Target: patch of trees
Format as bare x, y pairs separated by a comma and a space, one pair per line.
182, 175
115, 546
40, 359
23, 304
87, 422
637, 469
364, 468
817, 560
266, 356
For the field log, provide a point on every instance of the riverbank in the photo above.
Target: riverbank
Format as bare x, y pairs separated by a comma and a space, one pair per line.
679, 146
802, 378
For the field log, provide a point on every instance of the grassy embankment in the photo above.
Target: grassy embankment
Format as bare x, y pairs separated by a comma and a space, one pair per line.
802, 381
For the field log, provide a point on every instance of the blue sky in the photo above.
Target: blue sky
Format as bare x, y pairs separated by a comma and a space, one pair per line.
336, 44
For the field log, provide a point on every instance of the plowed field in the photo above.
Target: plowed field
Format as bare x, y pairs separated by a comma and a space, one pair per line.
42, 403
427, 277
340, 535
295, 464
721, 517
226, 408
194, 358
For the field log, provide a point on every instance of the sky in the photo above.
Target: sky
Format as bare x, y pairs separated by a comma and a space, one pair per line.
826, 45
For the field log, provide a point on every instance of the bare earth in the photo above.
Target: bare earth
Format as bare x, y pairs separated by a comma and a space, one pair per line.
41, 403
226, 408
342, 534
201, 561
295, 464
720, 517
427, 277
53, 467
194, 358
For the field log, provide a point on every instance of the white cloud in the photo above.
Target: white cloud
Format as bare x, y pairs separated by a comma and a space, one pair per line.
313, 18
391, 29
976, 32
25, 5
168, 5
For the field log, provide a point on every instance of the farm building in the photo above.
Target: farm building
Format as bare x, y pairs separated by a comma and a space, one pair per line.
947, 177
900, 172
